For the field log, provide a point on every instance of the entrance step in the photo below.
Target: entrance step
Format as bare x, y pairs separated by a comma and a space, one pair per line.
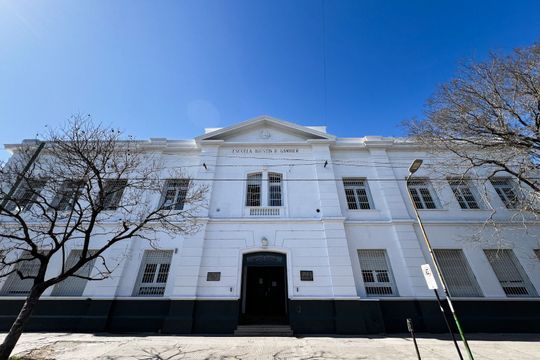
263, 330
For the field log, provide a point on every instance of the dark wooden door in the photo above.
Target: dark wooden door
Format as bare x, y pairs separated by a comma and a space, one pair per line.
266, 294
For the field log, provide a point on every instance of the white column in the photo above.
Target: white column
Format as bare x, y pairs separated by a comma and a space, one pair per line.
188, 266
328, 191
339, 259
407, 239
391, 194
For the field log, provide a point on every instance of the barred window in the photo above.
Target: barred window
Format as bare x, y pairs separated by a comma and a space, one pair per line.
274, 189
254, 185
73, 285
16, 286
113, 191
67, 196
376, 273
506, 189
422, 194
174, 194
25, 195
457, 273
357, 193
464, 193
510, 273
153, 273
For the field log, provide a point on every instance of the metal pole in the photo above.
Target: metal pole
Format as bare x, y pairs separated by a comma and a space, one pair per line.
448, 324
21, 176
411, 330
439, 272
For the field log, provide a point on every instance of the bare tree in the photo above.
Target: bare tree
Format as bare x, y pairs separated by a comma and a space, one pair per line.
486, 121
90, 189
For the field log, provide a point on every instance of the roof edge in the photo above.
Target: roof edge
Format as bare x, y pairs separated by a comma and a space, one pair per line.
268, 119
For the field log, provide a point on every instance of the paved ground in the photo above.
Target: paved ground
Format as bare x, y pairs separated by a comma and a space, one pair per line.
109, 347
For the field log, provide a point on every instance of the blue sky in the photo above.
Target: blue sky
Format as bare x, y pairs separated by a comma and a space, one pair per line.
171, 68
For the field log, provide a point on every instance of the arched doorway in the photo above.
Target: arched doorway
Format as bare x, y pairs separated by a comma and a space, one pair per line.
264, 288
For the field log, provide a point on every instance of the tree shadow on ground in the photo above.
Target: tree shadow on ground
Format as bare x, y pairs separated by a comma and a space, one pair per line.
177, 352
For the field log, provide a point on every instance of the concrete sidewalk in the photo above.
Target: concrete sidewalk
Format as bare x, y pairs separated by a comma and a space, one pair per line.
106, 346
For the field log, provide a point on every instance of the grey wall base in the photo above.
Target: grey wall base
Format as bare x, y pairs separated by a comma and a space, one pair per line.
306, 316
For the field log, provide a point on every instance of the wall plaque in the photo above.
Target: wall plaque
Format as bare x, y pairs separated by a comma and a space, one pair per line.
213, 276
306, 275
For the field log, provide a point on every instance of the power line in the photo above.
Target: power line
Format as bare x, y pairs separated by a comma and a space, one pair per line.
308, 179
325, 87
323, 179
305, 162
408, 160
367, 165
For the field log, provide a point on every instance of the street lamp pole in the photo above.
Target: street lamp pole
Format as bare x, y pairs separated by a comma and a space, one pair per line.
412, 169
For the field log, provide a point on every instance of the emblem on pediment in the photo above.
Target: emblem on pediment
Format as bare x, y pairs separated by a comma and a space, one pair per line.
264, 134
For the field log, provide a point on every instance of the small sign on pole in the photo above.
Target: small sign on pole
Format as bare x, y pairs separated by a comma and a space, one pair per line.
428, 275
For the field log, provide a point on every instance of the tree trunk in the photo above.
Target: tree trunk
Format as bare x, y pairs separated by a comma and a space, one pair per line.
17, 328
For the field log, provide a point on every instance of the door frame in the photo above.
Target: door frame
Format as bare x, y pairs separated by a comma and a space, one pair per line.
243, 277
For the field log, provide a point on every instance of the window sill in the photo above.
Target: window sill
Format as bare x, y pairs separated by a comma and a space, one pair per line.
479, 210
433, 210
170, 210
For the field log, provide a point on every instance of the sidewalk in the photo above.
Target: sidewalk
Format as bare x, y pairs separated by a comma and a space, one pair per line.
63, 346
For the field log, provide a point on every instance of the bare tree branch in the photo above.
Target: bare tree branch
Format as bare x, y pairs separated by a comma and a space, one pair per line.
488, 118
90, 189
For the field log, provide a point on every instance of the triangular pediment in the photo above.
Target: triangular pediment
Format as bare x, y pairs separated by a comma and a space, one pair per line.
265, 129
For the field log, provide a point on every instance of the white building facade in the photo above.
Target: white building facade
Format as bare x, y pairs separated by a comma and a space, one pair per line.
318, 232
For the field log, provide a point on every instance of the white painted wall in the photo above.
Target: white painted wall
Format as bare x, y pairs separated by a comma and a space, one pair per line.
327, 241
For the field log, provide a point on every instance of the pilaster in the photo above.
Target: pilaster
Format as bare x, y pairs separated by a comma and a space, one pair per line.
328, 191
339, 259
188, 268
